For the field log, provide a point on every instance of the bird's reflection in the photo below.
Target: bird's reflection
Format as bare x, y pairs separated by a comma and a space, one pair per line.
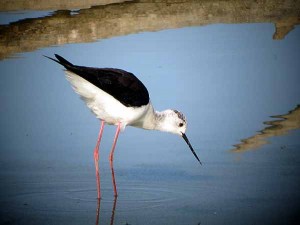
113, 211
98, 217
98, 211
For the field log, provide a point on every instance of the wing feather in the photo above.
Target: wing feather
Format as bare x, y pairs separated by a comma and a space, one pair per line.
122, 85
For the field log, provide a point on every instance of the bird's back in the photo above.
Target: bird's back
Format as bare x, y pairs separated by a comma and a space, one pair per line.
120, 84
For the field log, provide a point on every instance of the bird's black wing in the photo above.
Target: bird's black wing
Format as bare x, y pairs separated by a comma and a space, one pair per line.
122, 85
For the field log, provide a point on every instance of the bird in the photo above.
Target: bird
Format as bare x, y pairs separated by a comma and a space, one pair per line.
119, 98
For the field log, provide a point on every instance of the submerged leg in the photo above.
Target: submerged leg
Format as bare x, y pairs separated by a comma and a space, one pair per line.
111, 159
96, 159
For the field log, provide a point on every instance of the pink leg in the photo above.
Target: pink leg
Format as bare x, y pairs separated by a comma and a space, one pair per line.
111, 159
96, 159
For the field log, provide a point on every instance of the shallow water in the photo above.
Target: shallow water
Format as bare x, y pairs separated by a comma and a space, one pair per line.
227, 79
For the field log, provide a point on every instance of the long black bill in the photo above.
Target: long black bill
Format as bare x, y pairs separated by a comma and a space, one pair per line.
189, 144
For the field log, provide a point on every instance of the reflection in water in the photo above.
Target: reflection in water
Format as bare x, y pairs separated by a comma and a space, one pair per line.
53, 5
98, 211
132, 17
113, 211
290, 121
112, 218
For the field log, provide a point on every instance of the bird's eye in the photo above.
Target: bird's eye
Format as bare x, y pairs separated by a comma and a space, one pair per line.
180, 125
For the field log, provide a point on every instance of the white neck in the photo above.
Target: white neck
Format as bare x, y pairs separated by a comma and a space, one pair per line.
153, 120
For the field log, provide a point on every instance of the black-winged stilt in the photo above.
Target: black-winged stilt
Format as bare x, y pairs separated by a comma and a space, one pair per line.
119, 98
